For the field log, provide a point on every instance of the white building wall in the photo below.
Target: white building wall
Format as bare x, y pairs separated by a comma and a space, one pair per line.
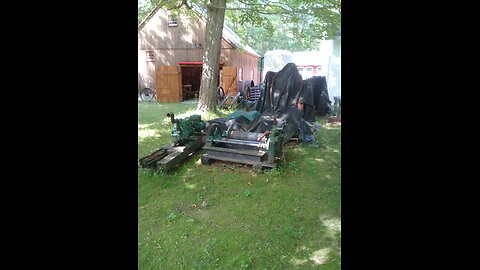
334, 72
326, 48
328, 56
276, 60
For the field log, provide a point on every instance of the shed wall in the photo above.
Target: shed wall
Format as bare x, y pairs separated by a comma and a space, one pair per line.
174, 44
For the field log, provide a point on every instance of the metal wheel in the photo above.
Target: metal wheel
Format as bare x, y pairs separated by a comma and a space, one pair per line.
147, 94
214, 131
234, 101
225, 100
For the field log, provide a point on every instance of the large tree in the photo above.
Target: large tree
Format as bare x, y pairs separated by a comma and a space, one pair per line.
294, 23
213, 39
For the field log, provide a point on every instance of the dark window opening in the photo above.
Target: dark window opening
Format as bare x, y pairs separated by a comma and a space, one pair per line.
172, 20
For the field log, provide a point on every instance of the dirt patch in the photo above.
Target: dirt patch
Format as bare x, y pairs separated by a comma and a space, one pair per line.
333, 121
227, 166
292, 143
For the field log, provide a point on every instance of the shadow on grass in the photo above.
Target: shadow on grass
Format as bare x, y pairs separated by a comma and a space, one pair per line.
222, 216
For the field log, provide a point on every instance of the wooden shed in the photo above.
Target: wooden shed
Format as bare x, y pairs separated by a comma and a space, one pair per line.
170, 52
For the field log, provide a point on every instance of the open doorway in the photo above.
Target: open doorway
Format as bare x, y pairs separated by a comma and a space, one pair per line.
191, 77
191, 73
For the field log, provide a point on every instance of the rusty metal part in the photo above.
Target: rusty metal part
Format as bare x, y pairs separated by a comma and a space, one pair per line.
264, 135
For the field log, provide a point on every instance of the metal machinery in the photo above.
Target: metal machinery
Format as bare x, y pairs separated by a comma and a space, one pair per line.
186, 139
247, 93
256, 149
337, 107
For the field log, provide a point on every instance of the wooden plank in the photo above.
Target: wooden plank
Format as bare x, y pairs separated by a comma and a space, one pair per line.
177, 154
169, 158
235, 158
175, 148
259, 153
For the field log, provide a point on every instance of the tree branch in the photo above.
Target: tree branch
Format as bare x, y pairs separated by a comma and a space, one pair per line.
286, 10
183, 3
276, 5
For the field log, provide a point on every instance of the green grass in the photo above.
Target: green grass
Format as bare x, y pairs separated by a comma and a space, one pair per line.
228, 217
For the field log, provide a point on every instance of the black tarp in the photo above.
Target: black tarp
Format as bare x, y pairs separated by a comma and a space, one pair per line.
278, 100
319, 90
281, 89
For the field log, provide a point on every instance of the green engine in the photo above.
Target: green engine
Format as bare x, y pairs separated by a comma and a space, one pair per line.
186, 130
275, 142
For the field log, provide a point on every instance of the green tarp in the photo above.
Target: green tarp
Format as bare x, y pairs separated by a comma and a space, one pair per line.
249, 115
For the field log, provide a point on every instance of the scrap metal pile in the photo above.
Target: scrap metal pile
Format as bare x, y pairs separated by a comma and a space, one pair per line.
189, 135
256, 149
285, 97
285, 109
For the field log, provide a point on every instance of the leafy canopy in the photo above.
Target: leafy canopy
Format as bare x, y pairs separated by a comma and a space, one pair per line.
293, 25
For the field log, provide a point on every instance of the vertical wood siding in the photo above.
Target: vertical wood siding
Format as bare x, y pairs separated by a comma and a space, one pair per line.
169, 84
229, 80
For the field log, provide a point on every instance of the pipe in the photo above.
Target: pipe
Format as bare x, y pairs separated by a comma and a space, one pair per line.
172, 117
242, 142
247, 136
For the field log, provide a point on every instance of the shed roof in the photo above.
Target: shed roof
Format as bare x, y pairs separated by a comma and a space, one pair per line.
235, 40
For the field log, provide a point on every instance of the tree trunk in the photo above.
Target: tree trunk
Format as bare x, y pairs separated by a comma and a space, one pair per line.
211, 58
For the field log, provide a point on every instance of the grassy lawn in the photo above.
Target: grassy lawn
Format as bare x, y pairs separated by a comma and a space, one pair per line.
228, 217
